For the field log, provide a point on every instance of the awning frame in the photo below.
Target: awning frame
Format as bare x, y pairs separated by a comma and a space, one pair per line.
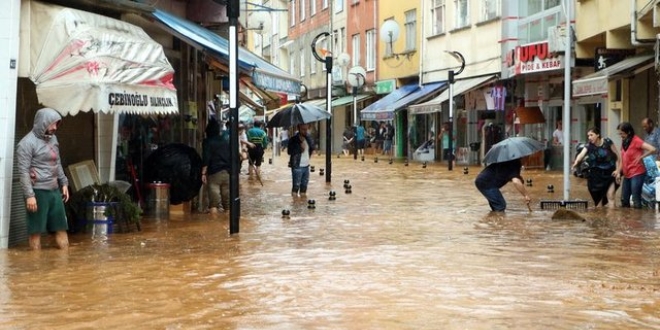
264, 74
597, 83
435, 105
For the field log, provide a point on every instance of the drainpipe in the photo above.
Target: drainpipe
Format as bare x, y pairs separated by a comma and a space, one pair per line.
633, 28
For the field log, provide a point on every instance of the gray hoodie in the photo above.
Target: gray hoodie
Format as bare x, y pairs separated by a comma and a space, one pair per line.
38, 155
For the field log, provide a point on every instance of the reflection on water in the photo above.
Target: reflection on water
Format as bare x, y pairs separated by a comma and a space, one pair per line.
409, 248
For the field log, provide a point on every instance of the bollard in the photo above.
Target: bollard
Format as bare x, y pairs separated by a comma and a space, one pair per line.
551, 188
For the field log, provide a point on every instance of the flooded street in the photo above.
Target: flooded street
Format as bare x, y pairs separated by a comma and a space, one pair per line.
409, 248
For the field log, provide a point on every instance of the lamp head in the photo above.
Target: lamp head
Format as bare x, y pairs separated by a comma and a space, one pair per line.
357, 76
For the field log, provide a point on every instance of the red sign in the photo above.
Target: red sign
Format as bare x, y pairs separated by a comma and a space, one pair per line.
531, 58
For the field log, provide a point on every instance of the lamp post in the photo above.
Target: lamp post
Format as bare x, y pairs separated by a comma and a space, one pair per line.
328, 125
451, 74
233, 12
356, 78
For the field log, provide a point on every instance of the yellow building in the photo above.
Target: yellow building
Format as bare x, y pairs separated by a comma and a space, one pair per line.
398, 68
617, 37
474, 32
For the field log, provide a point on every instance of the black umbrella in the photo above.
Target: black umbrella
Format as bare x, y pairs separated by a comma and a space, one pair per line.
180, 166
296, 114
512, 148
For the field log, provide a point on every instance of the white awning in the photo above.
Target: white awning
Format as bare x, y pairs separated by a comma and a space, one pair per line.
460, 87
80, 61
596, 83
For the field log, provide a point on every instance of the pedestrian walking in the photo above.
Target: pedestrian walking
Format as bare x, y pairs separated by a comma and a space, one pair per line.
496, 176
216, 166
348, 138
388, 138
633, 150
300, 151
360, 138
604, 167
258, 142
44, 185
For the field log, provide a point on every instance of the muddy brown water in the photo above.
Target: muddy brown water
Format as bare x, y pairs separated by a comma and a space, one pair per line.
409, 248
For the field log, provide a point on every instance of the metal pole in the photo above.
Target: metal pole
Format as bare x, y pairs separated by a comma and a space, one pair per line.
566, 115
233, 10
328, 125
355, 122
450, 133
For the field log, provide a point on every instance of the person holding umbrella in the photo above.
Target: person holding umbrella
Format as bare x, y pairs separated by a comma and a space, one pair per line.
503, 165
494, 177
300, 150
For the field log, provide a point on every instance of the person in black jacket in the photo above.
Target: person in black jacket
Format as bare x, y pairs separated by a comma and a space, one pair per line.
216, 166
494, 177
300, 150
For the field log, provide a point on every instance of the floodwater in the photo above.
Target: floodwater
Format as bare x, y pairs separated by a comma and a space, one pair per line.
409, 248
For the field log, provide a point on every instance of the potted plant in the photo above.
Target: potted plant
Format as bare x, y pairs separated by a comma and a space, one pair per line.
101, 206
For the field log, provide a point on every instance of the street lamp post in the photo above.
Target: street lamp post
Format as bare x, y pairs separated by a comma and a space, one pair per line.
356, 78
233, 10
328, 125
451, 75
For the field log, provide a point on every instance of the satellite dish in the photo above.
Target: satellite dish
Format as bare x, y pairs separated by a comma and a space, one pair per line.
259, 22
389, 31
357, 76
343, 60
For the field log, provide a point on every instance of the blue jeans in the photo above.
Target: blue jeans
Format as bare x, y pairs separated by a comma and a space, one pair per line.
495, 198
632, 187
300, 178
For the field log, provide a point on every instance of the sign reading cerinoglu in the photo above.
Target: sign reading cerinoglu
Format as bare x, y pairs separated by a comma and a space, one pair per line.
139, 100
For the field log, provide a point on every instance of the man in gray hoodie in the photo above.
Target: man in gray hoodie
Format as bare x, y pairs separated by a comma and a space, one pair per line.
42, 177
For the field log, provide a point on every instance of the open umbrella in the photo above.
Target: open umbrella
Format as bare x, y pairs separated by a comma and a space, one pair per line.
180, 166
512, 148
296, 114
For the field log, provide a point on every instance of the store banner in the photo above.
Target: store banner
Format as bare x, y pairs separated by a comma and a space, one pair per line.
80, 61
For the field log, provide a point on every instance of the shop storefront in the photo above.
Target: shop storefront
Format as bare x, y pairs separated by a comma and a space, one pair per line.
393, 109
540, 74
473, 107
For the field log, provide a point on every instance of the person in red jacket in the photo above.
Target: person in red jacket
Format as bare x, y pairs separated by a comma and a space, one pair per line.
633, 150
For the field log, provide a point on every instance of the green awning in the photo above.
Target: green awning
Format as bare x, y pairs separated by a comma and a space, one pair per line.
346, 100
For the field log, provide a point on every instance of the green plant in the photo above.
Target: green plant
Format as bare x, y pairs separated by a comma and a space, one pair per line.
125, 212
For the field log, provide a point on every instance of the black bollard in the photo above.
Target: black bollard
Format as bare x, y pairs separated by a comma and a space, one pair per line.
320, 171
391, 161
311, 169
285, 213
551, 188
376, 160
465, 170
424, 165
270, 161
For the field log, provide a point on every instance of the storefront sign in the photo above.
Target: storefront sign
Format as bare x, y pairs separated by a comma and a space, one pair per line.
606, 57
385, 86
593, 86
533, 58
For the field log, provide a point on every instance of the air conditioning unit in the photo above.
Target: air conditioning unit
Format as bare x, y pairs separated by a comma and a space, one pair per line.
557, 39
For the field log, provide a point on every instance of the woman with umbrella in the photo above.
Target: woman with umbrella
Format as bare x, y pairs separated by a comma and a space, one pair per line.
503, 166
604, 166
